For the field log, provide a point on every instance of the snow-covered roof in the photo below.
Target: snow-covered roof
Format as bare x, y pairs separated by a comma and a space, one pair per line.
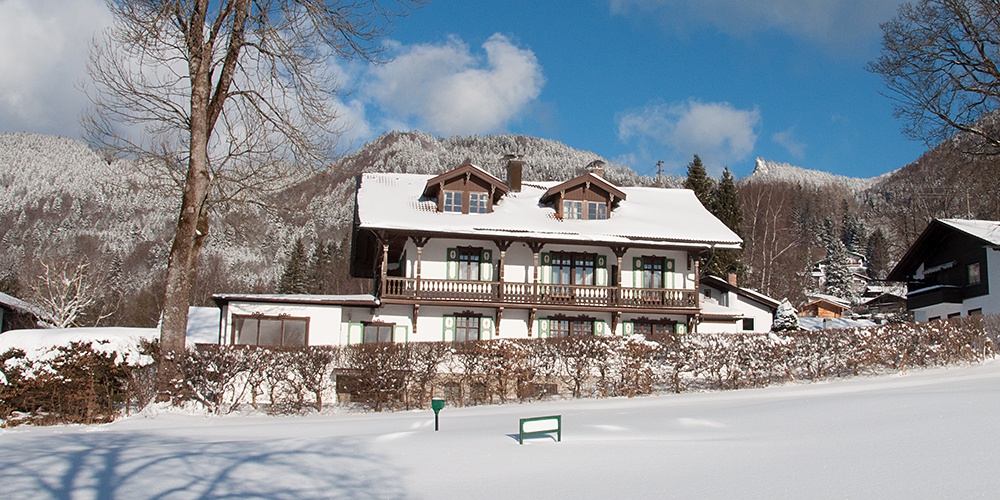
20, 305
654, 216
713, 310
986, 230
812, 323
719, 283
832, 299
347, 300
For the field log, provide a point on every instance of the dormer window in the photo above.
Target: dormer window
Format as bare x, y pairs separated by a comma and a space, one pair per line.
597, 211
572, 209
588, 197
453, 201
478, 203
466, 190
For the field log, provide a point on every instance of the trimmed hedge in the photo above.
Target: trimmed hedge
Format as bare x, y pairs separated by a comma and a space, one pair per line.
82, 385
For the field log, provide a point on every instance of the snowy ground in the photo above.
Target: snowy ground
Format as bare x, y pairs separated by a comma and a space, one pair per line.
925, 434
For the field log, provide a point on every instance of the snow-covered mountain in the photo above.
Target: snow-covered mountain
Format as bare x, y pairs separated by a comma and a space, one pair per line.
771, 171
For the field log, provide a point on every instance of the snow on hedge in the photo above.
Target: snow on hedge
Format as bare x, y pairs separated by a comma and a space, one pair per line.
42, 344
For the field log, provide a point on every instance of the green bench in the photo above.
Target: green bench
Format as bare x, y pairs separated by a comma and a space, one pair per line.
536, 426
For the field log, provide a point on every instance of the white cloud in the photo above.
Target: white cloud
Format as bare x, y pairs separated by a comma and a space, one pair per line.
448, 90
841, 24
716, 131
44, 45
786, 139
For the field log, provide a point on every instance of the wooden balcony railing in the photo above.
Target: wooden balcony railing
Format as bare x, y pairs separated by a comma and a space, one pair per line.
541, 294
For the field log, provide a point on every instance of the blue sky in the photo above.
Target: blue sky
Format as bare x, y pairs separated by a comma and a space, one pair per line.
635, 81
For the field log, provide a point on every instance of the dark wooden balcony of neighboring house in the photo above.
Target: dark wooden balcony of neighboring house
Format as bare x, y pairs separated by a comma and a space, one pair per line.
494, 293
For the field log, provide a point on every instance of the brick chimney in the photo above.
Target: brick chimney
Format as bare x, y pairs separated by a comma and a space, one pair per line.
515, 167
596, 167
731, 278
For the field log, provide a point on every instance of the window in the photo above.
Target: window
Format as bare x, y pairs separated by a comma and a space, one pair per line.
468, 263
646, 327
477, 203
976, 312
377, 332
954, 315
466, 328
597, 211
452, 201
652, 272
974, 276
570, 327
572, 209
573, 268
748, 324
270, 331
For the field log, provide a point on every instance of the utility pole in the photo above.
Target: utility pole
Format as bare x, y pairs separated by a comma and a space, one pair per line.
659, 173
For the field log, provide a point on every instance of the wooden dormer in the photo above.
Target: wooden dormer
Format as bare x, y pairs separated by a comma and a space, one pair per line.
466, 189
589, 196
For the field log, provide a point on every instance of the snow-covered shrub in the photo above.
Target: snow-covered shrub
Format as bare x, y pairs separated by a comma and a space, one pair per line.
77, 383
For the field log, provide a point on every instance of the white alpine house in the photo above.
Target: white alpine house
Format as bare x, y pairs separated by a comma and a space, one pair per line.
466, 256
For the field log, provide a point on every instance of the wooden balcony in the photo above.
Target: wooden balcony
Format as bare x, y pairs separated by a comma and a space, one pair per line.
537, 295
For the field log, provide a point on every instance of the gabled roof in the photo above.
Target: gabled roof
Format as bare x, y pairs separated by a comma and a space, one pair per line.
16, 304
986, 231
832, 304
391, 201
616, 194
721, 284
434, 183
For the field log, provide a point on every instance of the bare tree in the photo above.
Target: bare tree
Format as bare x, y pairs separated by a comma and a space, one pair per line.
224, 97
939, 62
66, 294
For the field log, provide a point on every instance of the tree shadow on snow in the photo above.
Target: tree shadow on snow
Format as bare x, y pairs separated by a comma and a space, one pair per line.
107, 465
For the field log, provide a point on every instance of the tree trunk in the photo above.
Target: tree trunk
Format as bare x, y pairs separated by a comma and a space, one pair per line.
192, 225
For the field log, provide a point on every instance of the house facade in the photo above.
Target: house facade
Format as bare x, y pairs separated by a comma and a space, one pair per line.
467, 256
952, 270
728, 308
16, 314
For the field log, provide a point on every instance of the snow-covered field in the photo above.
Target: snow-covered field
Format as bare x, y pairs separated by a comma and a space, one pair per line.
924, 434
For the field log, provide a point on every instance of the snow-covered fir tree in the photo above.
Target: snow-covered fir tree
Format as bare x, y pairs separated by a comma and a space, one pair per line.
786, 318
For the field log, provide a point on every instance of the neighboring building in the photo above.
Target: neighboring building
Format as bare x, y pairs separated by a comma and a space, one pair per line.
883, 301
952, 269
16, 314
739, 309
824, 306
857, 266
466, 256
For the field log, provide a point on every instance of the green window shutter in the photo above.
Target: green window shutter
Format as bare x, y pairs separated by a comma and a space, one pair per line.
545, 264
486, 265
452, 264
485, 328
628, 328
543, 328
448, 332
598, 327
401, 333
637, 272
680, 328
354, 332
601, 271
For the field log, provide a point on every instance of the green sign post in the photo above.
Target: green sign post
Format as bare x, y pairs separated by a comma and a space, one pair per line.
436, 405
